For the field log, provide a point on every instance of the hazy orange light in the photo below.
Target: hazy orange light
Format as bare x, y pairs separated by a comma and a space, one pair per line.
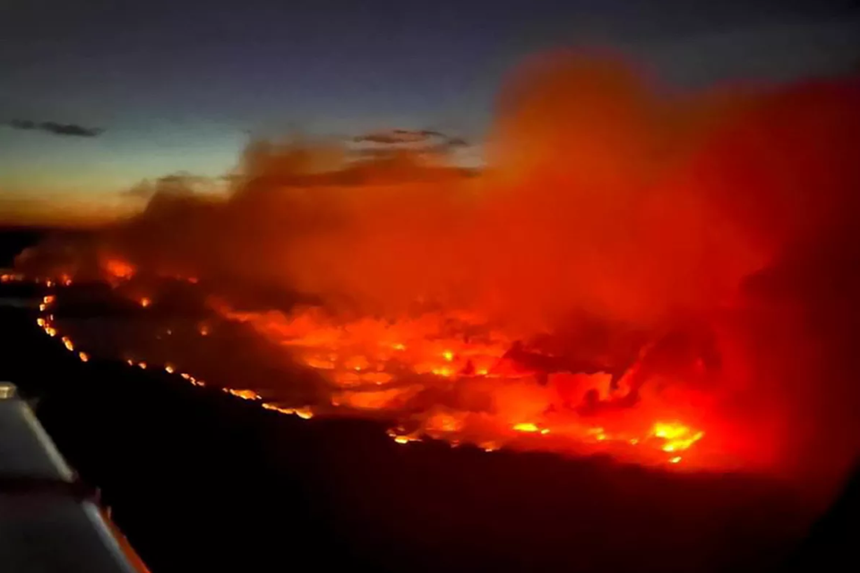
119, 269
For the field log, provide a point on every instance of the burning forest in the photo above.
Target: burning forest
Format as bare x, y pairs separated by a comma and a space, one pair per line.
665, 278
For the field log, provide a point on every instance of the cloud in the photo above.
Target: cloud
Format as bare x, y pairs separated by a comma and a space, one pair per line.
392, 137
54, 128
401, 136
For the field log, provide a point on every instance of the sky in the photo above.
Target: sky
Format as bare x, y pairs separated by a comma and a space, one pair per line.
98, 95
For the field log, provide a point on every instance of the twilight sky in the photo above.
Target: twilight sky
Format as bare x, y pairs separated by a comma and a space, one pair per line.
178, 86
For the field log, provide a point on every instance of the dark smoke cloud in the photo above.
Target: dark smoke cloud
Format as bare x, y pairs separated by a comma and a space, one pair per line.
403, 136
54, 128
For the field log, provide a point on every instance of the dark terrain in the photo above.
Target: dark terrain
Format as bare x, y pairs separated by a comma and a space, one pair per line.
199, 480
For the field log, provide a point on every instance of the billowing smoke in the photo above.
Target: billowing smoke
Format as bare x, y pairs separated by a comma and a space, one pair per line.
604, 195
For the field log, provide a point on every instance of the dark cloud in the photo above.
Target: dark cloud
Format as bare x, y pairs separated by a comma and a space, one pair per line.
402, 136
393, 136
54, 128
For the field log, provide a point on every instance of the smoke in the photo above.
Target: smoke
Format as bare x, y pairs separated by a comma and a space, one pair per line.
604, 194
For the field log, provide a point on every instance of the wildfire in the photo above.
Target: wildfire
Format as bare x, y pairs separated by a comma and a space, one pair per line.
387, 366
390, 365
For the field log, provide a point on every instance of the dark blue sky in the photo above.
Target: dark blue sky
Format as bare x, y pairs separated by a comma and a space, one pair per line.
177, 85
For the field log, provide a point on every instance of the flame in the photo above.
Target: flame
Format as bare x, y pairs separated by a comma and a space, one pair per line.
385, 365
243, 394
676, 436
118, 269
526, 427
305, 413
